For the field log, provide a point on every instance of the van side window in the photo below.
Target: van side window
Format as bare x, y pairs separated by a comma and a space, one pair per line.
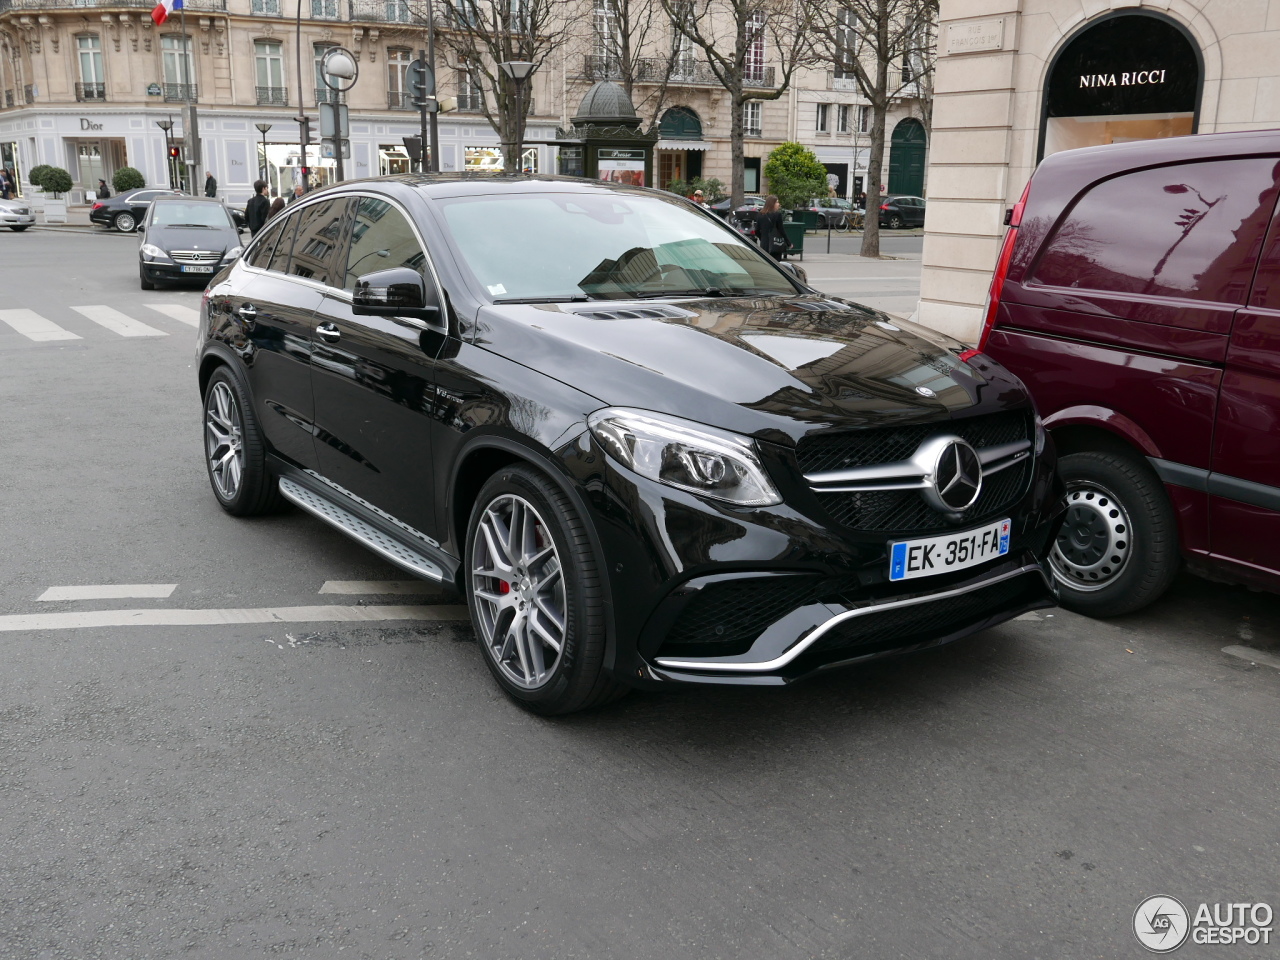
1190, 230
381, 238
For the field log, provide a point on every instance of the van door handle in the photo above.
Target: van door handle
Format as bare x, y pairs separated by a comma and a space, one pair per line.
328, 332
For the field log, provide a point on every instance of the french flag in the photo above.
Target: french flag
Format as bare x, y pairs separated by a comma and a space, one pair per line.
162, 10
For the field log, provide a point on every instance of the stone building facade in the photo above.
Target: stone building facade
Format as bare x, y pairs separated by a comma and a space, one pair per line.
1018, 80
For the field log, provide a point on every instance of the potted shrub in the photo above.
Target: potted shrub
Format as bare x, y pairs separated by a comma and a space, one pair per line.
127, 178
56, 181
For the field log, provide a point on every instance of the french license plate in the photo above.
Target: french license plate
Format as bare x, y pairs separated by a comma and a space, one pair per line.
197, 269
929, 556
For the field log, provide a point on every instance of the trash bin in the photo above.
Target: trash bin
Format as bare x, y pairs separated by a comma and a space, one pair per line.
795, 233
808, 217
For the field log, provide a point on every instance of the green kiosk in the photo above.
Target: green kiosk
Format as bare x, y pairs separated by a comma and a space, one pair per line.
605, 141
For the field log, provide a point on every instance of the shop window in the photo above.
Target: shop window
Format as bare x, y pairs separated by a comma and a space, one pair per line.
478, 159
1191, 230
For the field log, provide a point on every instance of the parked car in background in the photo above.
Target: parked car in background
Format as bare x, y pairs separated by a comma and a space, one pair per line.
1137, 294
126, 211
901, 211
646, 453
186, 239
831, 211
750, 205
16, 215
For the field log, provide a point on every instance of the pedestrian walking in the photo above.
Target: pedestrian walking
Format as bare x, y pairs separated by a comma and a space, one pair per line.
773, 239
210, 185
258, 208
8, 185
277, 203
103, 192
298, 191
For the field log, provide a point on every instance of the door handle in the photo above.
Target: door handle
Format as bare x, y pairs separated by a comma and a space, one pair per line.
328, 332
249, 314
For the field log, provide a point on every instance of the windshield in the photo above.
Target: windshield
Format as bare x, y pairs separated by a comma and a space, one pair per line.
171, 214
560, 246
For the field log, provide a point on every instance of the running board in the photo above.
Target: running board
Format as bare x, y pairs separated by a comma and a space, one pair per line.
368, 536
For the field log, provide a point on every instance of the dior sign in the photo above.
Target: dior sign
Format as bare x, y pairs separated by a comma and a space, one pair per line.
87, 124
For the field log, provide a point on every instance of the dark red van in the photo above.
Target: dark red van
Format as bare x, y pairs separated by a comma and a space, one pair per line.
1138, 296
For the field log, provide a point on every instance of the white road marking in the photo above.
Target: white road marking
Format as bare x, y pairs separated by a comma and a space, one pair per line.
1253, 656
109, 591
117, 322
176, 311
35, 327
199, 618
375, 587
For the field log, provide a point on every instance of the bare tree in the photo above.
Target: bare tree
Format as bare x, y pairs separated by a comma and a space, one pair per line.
737, 37
629, 44
480, 34
887, 47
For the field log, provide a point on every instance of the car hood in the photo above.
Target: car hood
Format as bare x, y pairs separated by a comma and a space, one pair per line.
775, 368
188, 238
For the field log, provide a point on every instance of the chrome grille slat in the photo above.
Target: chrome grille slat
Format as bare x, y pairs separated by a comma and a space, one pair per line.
195, 256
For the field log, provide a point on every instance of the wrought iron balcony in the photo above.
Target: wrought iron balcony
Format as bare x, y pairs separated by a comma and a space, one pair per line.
91, 91
683, 71
215, 6
179, 92
400, 100
272, 96
325, 95
382, 11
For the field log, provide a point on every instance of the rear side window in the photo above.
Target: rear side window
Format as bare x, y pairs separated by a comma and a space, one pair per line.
261, 254
381, 238
1190, 230
319, 229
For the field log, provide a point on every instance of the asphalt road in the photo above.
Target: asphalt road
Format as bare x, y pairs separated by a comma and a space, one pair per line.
326, 789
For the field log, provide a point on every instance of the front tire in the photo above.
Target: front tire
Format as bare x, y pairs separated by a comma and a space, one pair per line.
1117, 550
125, 222
534, 592
235, 452
143, 282
20, 229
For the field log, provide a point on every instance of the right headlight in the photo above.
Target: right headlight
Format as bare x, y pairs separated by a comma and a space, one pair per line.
685, 455
151, 252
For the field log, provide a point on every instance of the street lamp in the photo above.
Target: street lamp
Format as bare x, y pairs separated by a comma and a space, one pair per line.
339, 72
262, 129
166, 126
518, 71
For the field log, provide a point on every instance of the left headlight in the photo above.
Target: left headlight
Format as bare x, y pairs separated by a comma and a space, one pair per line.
233, 253
685, 455
152, 252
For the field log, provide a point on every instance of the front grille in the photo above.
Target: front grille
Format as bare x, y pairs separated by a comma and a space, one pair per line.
890, 444
904, 512
925, 621
195, 256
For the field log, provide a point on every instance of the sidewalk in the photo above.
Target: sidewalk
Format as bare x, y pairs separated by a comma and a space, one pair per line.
889, 285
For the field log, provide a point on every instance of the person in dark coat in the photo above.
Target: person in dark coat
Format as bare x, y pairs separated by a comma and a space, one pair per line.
258, 208
210, 185
103, 192
277, 204
773, 239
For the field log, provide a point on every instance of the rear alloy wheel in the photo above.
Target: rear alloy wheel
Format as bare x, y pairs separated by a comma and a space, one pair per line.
1117, 549
124, 222
534, 594
895, 221
235, 453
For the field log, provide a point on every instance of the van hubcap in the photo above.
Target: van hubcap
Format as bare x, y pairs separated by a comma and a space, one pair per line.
1095, 541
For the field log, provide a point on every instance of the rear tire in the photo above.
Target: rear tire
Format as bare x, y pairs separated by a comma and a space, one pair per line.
1117, 550
895, 222
235, 451
125, 222
532, 583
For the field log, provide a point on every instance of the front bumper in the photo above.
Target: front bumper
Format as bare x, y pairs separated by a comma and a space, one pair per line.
707, 593
17, 220
172, 272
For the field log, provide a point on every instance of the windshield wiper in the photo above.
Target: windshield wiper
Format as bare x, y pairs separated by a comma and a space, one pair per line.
570, 298
660, 294
202, 225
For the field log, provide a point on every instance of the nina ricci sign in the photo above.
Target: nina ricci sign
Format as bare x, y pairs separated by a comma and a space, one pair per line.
1090, 80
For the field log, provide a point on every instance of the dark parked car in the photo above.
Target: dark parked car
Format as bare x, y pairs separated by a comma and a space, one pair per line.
126, 211
1138, 295
831, 211
900, 211
186, 239
645, 452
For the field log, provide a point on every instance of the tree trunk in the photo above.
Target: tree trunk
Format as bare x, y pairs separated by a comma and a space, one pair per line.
737, 191
875, 171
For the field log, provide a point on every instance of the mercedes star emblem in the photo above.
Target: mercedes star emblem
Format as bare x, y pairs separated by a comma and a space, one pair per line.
925, 392
951, 471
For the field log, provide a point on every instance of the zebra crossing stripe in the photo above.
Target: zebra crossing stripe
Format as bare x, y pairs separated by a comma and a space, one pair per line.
117, 322
176, 311
35, 327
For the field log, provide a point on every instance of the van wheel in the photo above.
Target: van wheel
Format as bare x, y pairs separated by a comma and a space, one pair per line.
534, 594
1117, 550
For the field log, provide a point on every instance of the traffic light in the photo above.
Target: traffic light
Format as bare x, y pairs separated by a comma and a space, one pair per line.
305, 173
174, 153
422, 82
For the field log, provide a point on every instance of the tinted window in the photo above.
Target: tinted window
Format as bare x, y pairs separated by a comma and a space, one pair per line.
319, 229
280, 256
381, 238
260, 255
1191, 230
144, 196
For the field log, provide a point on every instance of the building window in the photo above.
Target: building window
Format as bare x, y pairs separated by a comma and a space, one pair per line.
482, 158
823, 124
92, 85
266, 8
751, 118
842, 118
605, 45
324, 9
529, 160
753, 68
179, 71
268, 63
845, 51
864, 118
399, 96
397, 11
323, 93
470, 93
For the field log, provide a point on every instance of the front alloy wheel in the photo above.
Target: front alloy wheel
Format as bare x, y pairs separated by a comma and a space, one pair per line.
234, 450
223, 441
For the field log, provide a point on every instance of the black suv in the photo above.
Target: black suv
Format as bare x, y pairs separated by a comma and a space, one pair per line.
645, 452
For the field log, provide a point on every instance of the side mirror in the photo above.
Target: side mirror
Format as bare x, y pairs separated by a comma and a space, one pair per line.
396, 292
795, 270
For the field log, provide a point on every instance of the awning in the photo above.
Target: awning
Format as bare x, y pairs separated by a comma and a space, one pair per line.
682, 145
